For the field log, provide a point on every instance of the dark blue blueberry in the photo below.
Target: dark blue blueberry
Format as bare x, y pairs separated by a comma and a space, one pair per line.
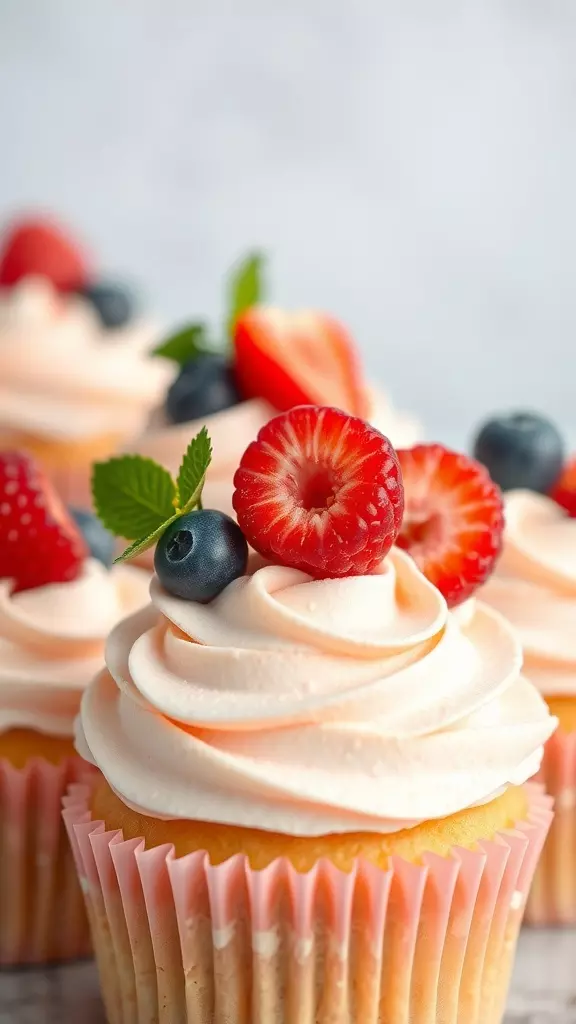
521, 450
99, 541
112, 302
204, 386
200, 554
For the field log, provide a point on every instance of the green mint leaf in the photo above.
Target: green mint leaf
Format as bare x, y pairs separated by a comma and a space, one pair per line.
185, 345
246, 288
143, 543
133, 496
192, 472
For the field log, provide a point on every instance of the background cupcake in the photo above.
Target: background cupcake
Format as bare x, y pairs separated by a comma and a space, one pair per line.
313, 767
56, 609
76, 379
265, 359
535, 588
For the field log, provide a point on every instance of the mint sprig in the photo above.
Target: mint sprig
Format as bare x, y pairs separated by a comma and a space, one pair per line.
184, 345
137, 498
245, 288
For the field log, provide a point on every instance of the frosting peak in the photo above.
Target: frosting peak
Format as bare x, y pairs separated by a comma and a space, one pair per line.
313, 706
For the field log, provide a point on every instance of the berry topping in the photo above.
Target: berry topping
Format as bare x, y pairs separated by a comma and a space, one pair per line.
99, 541
297, 358
521, 450
40, 247
111, 302
320, 491
39, 543
453, 519
200, 554
205, 385
564, 489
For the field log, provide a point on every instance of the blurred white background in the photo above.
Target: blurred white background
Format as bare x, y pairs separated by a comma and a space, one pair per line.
410, 166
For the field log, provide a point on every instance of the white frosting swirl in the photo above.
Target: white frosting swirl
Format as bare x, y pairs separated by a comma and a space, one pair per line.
52, 643
64, 376
310, 707
535, 588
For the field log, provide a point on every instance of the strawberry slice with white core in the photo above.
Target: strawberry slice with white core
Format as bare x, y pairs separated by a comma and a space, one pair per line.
320, 491
301, 358
453, 519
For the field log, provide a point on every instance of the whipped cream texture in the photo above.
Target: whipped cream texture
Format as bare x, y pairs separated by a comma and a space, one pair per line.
308, 707
535, 588
65, 377
52, 643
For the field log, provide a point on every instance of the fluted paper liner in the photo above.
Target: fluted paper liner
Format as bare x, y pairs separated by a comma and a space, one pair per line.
42, 913
553, 897
179, 940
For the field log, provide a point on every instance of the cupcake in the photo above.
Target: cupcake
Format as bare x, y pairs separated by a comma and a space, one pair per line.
274, 360
312, 799
535, 588
56, 608
76, 379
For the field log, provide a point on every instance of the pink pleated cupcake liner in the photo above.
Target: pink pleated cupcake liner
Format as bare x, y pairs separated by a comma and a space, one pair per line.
42, 912
553, 896
73, 484
179, 940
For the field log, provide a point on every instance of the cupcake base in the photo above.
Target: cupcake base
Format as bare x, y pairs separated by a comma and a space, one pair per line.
42, 913
553, 896
180, 940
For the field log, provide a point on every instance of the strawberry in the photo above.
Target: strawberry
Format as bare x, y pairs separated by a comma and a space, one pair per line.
293, 359
453, 518
320, 491
39, 543
40, 247
564, 490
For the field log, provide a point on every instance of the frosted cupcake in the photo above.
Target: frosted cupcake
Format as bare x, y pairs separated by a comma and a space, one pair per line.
56, 610
312, 801
273, 360
535, 588
76, 377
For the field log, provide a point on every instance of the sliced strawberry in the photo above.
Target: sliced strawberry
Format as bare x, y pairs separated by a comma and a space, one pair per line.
320, 491
453, 518
293, 359
564, 490
39, 543
40, 247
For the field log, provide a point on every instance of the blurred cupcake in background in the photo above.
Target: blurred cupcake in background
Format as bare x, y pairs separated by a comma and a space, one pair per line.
535, 588
264, 360
311, 803
76, 377
58, 602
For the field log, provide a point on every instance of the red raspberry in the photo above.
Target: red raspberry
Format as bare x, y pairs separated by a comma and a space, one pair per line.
40, 247
39, 543
297, 359
320, 491
564, 490
453, 518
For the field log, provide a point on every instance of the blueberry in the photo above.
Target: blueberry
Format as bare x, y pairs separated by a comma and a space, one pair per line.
204, 386
200, 554
521, 450
99, 541
112, 302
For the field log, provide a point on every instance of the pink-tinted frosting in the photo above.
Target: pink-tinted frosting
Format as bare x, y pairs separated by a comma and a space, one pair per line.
64, 376
535, 588
52, 643
310, 707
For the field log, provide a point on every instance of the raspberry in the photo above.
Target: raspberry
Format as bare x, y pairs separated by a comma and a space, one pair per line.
320, 491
